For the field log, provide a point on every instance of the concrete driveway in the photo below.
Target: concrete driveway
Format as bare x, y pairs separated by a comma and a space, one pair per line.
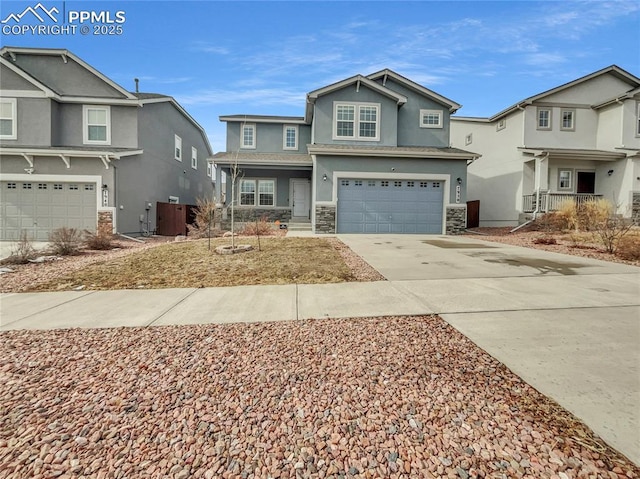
569, 326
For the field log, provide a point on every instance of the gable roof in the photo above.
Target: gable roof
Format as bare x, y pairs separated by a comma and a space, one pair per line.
357, 80
386, 73
10, 54
614, 70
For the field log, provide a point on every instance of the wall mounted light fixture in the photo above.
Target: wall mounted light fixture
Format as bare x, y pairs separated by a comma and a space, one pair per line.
610, 172
459, 180
324, 177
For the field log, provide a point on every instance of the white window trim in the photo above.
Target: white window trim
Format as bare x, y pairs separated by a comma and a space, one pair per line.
284, 137
14, 119
356, 121
502, 124
256, 198
544, 128
85, 125
638, 118
177, 147
253, 127
565, 188
431, 112
573, 119
209, 170
468, 139
194, 158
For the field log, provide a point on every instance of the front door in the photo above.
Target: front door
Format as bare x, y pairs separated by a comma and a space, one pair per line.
586, 182
301, 198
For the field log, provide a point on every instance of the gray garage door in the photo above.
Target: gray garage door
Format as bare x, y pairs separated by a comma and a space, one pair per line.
40, 207
389, 206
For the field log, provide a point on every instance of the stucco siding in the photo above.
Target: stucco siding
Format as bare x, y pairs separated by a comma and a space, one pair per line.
630, 134
34, 122
584, 135
282, 178
68, 78
387, 123
9, 80
590, 92
609, 127
269, 137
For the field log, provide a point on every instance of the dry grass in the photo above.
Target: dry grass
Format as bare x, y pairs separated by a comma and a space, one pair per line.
190, 264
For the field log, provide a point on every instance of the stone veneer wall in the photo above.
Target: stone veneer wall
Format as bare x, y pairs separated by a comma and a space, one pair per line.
325, 219
243, 215
456, 220
635, 208
105, 223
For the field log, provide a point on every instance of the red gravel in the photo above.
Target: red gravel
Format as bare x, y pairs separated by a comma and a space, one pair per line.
378, 397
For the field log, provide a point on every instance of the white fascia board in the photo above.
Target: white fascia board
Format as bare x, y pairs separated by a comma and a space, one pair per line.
453, 106
257, 119
395, 154
470, 119
98, 101
22, 94
400, 99
70, 153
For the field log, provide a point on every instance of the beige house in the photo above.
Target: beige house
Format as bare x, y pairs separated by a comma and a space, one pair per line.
580, 140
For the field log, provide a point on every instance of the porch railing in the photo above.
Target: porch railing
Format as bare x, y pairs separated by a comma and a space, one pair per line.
552, 201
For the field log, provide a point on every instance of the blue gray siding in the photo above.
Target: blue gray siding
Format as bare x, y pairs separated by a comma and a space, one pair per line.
269, 137
282, 178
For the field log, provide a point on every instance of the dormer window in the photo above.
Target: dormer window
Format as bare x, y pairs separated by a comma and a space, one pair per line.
356, 121
248, 139
430, 119
96, 125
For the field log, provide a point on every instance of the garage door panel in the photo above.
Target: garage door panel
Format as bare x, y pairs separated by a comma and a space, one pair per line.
390, 206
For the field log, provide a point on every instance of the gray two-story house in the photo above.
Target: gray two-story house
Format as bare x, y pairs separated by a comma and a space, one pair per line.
370, 155
77, 149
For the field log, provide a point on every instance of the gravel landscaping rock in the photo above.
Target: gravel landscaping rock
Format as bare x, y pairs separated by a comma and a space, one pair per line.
377, 397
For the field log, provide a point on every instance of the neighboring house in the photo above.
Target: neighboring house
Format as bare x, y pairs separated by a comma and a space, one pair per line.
76, 148
578, 141
371, 155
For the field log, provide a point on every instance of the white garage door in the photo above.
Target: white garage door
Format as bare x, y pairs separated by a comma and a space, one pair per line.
41, 207
390, 206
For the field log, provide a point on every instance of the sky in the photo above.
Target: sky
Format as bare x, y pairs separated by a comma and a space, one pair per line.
239, 57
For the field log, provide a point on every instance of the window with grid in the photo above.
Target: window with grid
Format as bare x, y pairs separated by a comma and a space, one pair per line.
194, 158
384, 183
97, 124
266, 192
42, 186
357, 121
26, 186
423, 184
178, 148
430, 119
89, 187
410, 184
290, 137
564, 180
247, 192
73, 187
8, 118
544, 119
371, 183
568, 120
638, 119
57, 186
12, 186
248, 136
357, 182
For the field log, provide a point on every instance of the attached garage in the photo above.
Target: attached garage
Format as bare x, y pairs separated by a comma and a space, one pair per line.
39, 207
390, 206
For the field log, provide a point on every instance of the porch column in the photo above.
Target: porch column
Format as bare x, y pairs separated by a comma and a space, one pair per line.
541, 179
218, 189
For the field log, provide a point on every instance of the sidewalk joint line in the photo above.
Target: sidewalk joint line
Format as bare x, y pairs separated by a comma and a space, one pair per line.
171, 307
88, 293
559, 308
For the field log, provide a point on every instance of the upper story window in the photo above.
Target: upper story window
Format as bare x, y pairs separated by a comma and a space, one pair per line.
430, 119
177, 150
568, 120
248, 139
502, 124
209, 170
544, 118
96, 122
638, 119
356, 121
194, 158
8, 119
290, 137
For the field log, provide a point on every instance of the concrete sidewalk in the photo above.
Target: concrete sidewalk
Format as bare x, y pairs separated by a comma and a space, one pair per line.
572, 332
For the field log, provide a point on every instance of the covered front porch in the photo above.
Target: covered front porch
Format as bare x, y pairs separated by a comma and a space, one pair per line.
554, 176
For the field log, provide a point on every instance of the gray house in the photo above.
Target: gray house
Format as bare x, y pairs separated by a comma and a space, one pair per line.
78, 150
370, 155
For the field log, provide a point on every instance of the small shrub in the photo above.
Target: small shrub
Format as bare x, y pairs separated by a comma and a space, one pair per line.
593, 214
23, 250
98, 241
567, 215
629, 247
65, 241
545, 240
611, 231
257, 228
203, 225
550, 222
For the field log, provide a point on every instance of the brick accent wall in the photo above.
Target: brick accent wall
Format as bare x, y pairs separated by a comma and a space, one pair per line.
635, 208
105, 223
456, 220
326, 219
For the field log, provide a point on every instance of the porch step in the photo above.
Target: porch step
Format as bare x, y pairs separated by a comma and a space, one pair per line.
299, 226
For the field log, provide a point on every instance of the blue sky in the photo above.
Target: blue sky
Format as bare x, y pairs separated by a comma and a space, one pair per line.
219, 58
